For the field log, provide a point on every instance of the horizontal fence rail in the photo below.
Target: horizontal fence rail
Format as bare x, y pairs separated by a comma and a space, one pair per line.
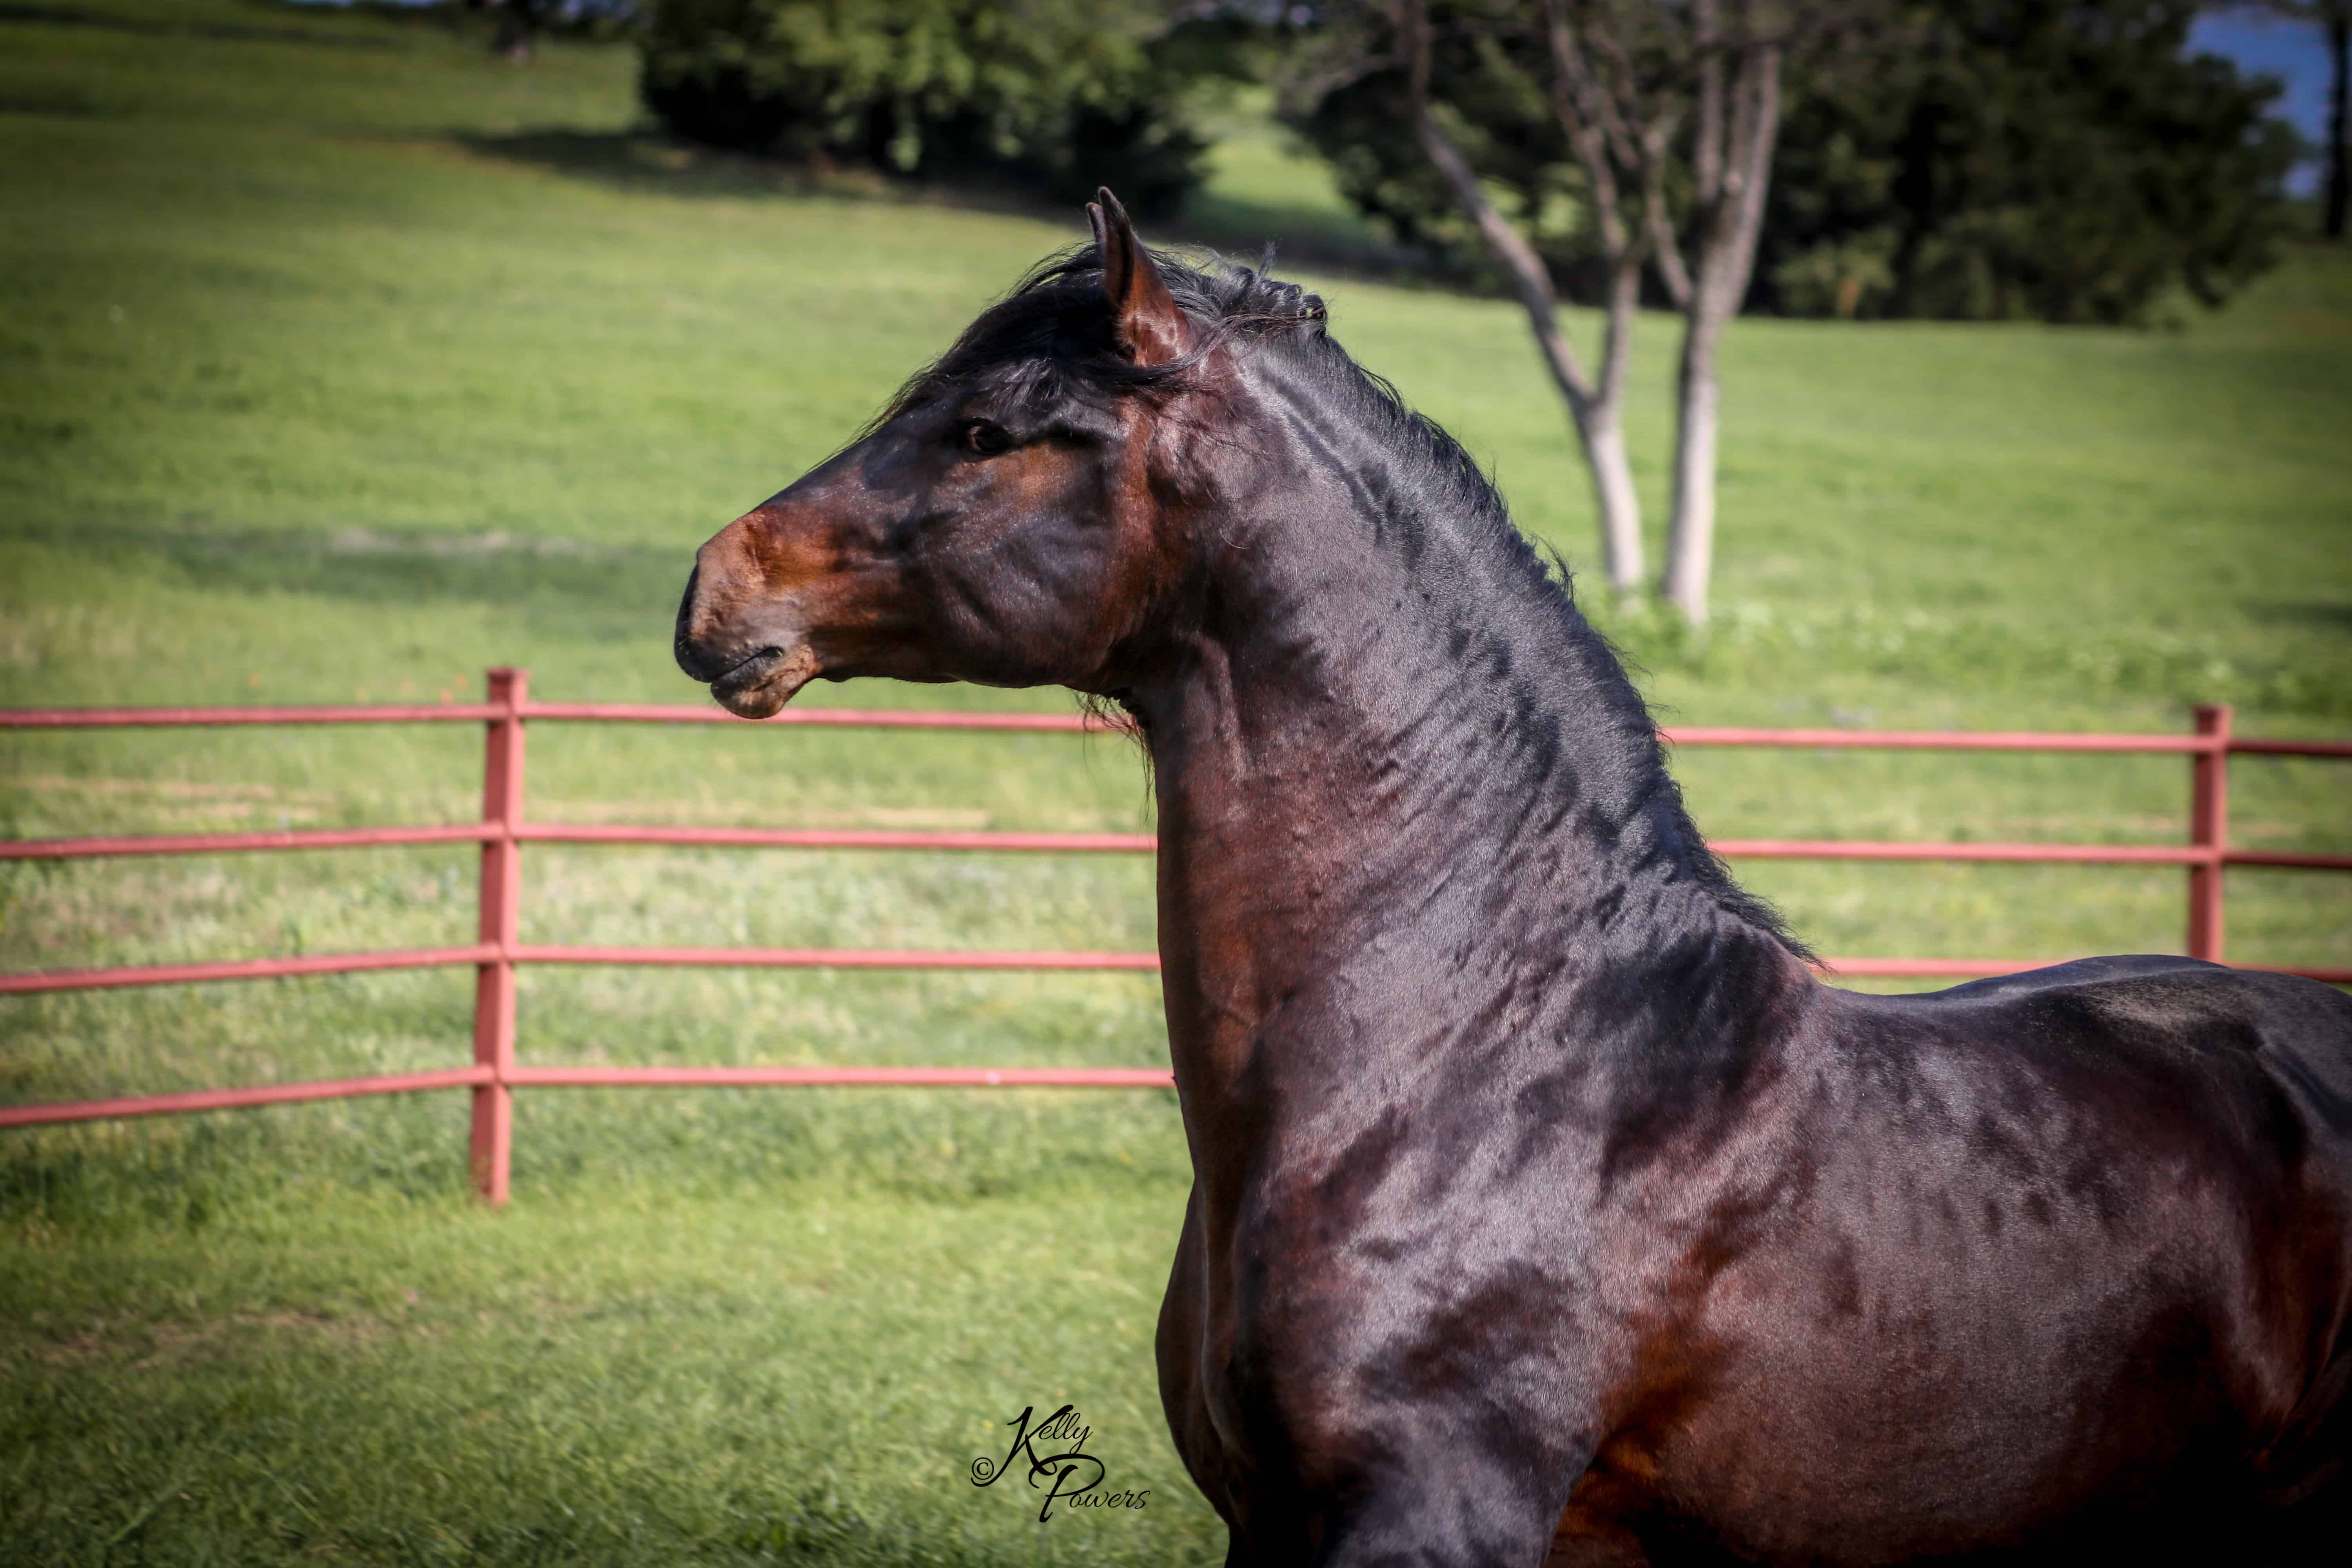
502, 831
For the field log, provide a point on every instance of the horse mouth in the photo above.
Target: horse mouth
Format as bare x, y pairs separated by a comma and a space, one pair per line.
761, 686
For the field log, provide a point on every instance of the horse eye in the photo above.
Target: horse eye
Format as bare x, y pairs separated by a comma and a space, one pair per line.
980, 436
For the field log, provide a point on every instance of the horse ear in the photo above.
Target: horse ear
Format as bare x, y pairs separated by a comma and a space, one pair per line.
1150, 329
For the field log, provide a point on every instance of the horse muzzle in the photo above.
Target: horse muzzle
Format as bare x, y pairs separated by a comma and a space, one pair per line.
753, 657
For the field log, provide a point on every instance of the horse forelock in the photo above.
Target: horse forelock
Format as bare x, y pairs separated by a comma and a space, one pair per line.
1050, 336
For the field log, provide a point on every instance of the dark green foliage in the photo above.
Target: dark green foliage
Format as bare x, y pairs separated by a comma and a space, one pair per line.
1062, 95
2058, 160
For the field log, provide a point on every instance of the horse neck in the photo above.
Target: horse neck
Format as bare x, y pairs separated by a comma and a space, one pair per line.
1391, 760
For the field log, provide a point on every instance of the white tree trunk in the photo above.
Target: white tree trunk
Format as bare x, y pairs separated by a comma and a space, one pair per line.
1690, 548
1734, 173
1612, 492
1601, 421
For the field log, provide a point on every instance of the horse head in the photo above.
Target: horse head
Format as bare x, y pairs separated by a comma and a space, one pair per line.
1006, 520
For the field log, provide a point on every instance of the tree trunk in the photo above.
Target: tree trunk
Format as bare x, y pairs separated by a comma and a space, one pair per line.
1733, 161
2340, 134
1690, 549
1601, 423
517, 22
1621, 509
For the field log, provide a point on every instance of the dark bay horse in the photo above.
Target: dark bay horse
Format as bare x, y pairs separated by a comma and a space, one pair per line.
1543, 1200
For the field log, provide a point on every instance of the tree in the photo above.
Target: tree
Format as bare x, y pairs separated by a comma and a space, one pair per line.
1065, 94
1493, 104
2057, 160
518, 24
1618, 142
2335, 18
2339, 120
1654, 127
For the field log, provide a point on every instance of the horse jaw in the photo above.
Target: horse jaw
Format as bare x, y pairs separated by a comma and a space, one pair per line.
761, 686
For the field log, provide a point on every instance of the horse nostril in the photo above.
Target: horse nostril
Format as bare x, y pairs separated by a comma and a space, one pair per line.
682, 639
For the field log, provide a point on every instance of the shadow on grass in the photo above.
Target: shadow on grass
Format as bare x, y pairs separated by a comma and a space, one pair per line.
652, 161
72, 16
2318, 616
392, 567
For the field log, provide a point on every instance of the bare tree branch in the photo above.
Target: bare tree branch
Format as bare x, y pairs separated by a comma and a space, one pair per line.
1706, 147
1530, 279
1666, 254
1596, 407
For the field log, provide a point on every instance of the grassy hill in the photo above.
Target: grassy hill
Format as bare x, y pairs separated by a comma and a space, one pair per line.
339, 360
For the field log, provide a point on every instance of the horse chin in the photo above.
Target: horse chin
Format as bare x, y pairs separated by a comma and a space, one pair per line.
758, 688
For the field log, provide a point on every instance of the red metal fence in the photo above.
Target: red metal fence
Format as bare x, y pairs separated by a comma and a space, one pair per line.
503, 831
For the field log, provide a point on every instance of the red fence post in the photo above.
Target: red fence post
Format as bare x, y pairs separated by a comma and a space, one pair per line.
2209, 828
501, 894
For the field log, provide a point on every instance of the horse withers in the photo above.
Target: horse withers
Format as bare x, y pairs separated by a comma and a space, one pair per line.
1543, 1201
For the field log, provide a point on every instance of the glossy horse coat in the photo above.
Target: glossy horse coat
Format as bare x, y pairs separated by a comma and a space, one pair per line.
1544, 1202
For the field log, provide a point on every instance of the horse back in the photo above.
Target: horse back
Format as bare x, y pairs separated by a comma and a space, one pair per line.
2082, 1233
2275, 1053
2271, 1053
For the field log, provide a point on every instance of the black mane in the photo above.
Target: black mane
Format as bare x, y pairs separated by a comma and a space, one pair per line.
1050, 337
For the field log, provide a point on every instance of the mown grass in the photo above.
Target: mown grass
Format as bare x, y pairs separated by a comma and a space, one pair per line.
341, 361
648, 1377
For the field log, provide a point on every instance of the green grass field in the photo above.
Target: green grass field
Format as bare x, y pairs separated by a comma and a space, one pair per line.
340, 361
